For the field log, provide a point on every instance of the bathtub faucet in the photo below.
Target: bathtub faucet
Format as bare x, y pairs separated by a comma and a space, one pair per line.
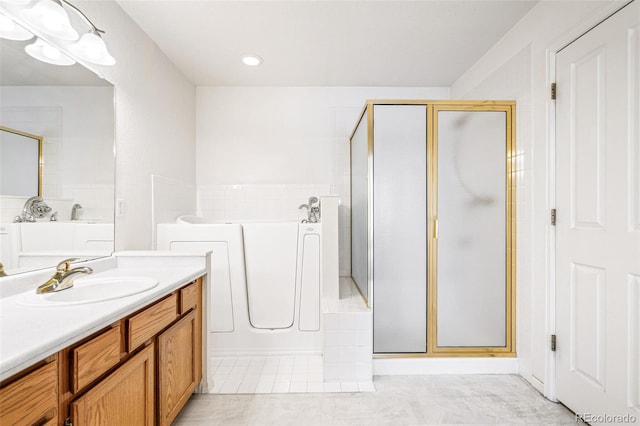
305, 206
313, 211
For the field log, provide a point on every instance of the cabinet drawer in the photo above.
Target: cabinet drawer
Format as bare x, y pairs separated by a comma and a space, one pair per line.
125, 397
95, 357
188, 297
151, 321
32, 399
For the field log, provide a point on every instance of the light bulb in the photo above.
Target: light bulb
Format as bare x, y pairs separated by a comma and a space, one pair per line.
52, 22
50, 18
51, 52
43, 51
6, 24
92, 48
12, 31
251, 60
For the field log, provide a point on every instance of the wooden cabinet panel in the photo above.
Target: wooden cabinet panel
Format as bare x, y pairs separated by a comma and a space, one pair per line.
95, 357
146, 324
178, 369
32, 399
124, 398
188, 298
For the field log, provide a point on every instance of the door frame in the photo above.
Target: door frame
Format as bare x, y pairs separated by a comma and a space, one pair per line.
604, 13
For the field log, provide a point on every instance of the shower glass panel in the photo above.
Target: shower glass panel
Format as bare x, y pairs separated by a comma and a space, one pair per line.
359, 206
471, 228
400, 229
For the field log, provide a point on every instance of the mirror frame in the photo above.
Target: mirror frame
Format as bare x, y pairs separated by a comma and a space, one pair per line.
39, 139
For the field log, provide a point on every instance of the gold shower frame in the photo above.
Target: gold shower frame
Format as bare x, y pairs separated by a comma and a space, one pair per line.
433, 107
39, 139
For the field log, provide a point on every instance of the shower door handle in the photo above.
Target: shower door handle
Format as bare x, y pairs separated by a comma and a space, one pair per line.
436, 231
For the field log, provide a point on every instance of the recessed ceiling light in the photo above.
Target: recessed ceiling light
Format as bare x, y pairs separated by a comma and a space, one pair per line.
252, 60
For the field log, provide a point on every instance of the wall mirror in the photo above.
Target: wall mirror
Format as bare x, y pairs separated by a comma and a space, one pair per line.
72, 110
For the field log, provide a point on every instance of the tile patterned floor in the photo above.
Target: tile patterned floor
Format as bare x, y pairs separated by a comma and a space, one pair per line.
276, 374
398, 401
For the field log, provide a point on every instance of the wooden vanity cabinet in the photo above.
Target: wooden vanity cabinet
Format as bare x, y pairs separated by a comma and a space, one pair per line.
31, 399
140, 370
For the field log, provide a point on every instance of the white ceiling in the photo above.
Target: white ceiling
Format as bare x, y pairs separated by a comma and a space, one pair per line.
325, 43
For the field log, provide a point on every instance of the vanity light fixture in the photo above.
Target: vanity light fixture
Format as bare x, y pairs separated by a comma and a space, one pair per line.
92, 48
251, 60
43, 51
49, 17
12, 31
58, 41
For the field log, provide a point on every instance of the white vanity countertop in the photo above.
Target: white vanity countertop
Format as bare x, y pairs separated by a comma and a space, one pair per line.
29, 334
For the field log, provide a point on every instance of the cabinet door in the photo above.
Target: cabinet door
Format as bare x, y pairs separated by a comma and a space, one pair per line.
126, 397
32, 399
178, 366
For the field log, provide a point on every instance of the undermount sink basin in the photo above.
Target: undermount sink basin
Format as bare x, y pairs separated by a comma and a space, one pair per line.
90, 290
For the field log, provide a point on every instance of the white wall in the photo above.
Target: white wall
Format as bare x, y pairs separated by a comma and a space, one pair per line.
518, 67
155, 119
284, 137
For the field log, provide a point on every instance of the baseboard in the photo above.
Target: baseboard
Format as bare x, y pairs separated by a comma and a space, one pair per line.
411, 366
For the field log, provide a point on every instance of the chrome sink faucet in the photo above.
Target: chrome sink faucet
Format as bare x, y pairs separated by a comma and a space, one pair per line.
63, 278
74, 211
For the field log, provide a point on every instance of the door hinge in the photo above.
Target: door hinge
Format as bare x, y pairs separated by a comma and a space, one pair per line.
554, 216
553, 91
553, 343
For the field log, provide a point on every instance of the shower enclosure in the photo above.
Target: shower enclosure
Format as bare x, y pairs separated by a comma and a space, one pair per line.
433, 225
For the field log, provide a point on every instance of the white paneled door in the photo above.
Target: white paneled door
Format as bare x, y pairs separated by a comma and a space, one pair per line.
598, 221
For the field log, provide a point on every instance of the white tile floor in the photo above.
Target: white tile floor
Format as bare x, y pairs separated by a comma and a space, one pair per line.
275, 374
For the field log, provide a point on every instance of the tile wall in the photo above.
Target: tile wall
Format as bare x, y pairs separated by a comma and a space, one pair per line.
267, 202
348, 336
170, 198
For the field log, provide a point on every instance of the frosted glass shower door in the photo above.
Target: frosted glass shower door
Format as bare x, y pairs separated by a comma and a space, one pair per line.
471, 235
400, 229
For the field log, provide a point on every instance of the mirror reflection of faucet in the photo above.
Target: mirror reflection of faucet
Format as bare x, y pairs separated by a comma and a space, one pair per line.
34, 208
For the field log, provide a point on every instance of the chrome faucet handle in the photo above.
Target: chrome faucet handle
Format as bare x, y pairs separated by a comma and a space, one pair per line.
303, 206
66, 264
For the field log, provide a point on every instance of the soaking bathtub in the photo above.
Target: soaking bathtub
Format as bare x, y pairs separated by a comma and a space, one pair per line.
265, 284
